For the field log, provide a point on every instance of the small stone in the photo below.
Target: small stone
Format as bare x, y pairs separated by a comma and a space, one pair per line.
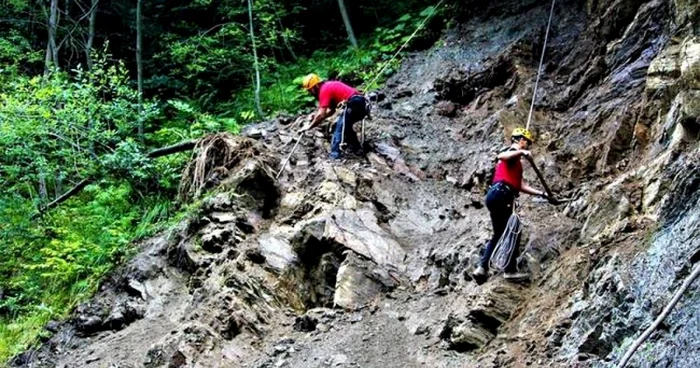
346, 176
323, 327
279, 349
223, 217
305, 323
255, 133
357, 317
338, 360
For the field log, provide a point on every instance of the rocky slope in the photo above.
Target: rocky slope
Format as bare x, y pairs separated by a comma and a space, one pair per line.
365, 262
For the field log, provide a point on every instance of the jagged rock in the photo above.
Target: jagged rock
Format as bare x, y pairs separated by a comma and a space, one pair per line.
690, 62
214, 240
495, 304
353, 288
330, 191
292, 201
182, 256
305, 323
122, 315
358, 230
469, 336
401, 168
349, 203
137, 287
682, 119
606, 214
346, 176
390, 152
410, 223
446, 108
664, 70
277, 252
223, 217
686, 11
378, 162
88, 325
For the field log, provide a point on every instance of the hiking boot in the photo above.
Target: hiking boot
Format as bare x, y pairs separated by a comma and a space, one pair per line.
479, 272
516, 276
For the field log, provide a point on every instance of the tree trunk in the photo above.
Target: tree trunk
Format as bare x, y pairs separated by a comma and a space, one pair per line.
58, 183
88, 57
91, 33
43, 190
284, 38
139, 67
160, 152
346, 20
255, 60
51, 50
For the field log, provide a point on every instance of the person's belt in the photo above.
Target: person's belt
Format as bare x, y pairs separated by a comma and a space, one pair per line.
503, 185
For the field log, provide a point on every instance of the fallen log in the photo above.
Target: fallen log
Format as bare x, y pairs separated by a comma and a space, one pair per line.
160, 152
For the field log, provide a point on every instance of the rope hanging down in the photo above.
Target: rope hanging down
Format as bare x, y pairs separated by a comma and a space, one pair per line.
503, 252
420, 26
539, 69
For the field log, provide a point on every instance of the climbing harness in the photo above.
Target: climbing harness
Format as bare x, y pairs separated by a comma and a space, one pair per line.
368, 109
539, 68
503, 252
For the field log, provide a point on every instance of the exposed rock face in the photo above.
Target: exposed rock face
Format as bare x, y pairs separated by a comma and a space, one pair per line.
367, 262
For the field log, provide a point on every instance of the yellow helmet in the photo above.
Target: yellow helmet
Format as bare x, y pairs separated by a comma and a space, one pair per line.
522, 132
310, 81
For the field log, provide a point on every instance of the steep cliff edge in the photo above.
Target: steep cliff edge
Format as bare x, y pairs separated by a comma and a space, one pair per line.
365, 262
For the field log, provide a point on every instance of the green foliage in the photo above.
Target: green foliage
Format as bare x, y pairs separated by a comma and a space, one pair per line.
62, 258
58, 127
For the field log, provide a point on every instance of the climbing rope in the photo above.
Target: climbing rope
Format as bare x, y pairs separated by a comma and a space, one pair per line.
503, 253
539, 69
420, 26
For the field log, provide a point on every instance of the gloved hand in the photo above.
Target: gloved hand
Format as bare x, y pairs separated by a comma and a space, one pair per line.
549, 199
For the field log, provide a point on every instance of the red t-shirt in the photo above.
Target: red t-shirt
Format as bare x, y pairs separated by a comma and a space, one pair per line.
509, 172
333, 92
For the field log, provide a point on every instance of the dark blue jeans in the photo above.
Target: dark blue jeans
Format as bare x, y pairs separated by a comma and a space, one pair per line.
499, 201
355, 110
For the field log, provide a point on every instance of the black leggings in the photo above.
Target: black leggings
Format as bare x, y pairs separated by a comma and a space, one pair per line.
499, 201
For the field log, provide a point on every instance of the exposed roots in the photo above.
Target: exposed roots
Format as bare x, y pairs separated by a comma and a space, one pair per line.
213, 158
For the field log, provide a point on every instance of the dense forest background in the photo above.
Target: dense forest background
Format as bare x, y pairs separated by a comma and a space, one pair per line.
90, 90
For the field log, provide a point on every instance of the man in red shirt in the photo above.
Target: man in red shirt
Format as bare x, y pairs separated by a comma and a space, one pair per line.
329, 95
506, 185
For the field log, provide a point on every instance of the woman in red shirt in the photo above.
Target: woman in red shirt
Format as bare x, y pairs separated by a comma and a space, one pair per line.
506, 185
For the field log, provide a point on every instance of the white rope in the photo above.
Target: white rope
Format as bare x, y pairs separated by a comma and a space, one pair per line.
286, 161
539, 69
420, 26
345, 118
503, 252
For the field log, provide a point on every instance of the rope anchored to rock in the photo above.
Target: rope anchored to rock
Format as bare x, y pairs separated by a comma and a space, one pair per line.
539, 68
